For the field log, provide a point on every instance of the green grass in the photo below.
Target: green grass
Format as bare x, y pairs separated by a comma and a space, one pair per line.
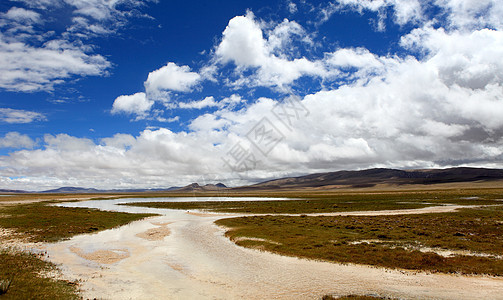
282, 207
332, 239
38, 222
342, 202
25, 270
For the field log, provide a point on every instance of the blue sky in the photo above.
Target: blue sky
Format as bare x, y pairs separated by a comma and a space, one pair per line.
152, 94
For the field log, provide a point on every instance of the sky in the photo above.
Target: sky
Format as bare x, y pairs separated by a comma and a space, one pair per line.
116, 94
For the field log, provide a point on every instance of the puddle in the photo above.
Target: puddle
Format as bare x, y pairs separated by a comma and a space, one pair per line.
194, 260
155, 234
102, 256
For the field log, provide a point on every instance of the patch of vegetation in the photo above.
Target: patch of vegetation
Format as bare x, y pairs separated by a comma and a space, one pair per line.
283, 206
39, 222
341, 202
23, 272
387, 241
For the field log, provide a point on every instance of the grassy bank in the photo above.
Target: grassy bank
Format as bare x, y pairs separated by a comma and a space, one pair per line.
38, 222
341, 202
387, 241
24, 273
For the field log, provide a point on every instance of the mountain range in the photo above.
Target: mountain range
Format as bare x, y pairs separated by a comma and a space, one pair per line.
372, 177
328, 180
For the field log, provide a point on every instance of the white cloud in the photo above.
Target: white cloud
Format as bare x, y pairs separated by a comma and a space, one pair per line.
26, 68
157, 158
172, 78
353, 58
232, 101
404, 11
413, 124
244, 45
16, 140
473, 14
408, 11
40, 4
280, 39
17, 116
208, 122
158, 87
21, 15
242, 42
33, 57
228, 103
136, 104
206, 102
460, 14
435, 128
292, 7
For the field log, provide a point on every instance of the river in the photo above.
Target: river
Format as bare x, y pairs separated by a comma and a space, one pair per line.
184, 255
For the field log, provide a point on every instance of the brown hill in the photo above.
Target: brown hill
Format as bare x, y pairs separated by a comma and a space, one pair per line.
372, 177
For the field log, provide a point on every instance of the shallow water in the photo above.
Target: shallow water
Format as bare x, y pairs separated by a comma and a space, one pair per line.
196, 261
113, 205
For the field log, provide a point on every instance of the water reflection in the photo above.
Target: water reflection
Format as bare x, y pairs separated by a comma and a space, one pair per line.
113, 205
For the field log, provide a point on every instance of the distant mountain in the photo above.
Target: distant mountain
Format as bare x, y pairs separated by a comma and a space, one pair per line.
320, 181
188, 188
372, 177
70, 189
195, 187
3, 191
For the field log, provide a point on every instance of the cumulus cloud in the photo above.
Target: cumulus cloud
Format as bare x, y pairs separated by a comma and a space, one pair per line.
473, 14
351, 127
16, 140
171, 77
136, 104
458, 56
159, 85
206, 102
157, 158
243, 44
228, 102
17, 116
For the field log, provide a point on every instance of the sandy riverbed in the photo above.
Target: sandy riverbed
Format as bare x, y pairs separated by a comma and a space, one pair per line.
191, 259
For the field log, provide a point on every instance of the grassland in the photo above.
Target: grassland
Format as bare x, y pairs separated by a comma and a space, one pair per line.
341, 202
386, 241
26, 270
401, 241
39, 222
389, 241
